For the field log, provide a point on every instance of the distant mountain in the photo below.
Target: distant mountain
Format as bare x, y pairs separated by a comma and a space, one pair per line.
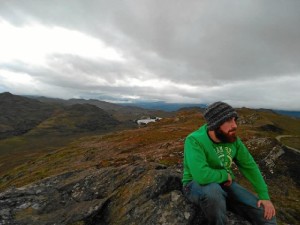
35, 115
18, 114
101, 104
160, 105
288, 113
77, 118
122, 112
295, 114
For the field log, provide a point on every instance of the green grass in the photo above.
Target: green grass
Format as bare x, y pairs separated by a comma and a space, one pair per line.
293, 142
20, 149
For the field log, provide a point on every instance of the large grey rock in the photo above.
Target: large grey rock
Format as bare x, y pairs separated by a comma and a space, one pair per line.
142, 193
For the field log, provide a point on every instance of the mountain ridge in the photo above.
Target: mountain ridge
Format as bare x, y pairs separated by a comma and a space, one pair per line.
145, 105
20, 115
121, 112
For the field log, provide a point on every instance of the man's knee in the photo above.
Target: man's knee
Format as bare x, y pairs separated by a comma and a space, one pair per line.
215, 196
210, 192
212, 200
214, 191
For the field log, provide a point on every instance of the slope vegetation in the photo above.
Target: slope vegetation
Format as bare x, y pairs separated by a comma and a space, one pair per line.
18, 115
30, 128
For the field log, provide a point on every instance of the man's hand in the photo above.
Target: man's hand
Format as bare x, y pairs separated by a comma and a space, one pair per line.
229, 180
268, 208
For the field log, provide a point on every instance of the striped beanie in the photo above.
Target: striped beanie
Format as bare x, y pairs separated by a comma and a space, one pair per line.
217, 113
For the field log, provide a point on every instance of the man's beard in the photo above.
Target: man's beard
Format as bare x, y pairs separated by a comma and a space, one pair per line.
225, 137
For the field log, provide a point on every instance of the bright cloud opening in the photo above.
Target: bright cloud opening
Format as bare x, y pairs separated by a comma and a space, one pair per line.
33, 43
12, 78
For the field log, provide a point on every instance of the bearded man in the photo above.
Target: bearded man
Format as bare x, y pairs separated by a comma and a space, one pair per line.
208, 179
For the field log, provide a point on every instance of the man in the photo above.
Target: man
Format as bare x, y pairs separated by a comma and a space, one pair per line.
208, 179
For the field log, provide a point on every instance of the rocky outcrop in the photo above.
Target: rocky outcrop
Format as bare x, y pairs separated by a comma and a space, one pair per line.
140, 193
271, 128
271, 158
248, 119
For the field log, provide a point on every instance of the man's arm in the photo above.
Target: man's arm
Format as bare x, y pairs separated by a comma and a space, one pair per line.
250, 170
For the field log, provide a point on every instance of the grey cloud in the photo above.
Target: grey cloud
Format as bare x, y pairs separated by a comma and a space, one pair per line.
221, 40
220, 43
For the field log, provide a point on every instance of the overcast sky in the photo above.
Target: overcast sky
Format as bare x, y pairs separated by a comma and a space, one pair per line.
243, 52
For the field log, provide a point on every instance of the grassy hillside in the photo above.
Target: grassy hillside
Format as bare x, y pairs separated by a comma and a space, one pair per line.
18, 115
161, 141
76, 119
293, 142
29, 128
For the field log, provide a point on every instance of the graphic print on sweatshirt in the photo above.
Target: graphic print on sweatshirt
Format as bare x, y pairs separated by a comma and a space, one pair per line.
225, 155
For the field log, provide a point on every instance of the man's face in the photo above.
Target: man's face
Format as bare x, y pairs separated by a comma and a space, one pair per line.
227, 131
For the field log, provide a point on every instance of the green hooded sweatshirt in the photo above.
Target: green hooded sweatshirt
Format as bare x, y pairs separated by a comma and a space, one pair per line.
208, 162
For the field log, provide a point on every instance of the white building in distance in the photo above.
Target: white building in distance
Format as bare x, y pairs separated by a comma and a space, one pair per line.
148, 120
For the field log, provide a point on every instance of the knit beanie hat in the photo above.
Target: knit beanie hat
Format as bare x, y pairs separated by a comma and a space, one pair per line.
217, 113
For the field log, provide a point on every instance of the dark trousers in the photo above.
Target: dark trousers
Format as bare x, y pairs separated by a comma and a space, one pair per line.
214, 199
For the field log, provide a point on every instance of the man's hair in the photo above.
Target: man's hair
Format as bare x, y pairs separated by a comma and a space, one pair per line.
217, 113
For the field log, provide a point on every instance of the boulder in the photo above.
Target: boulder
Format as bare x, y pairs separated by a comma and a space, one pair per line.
140, 193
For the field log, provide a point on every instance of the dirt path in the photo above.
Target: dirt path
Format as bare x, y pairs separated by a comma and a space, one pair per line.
278, 138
